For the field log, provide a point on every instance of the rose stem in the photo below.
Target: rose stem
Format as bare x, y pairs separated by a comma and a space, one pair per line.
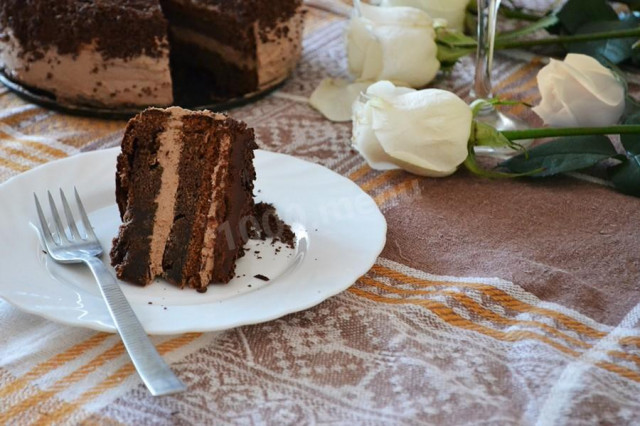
518, 14
633, 32
570, 131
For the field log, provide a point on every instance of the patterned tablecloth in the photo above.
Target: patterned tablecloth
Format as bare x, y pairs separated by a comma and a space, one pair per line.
493, 302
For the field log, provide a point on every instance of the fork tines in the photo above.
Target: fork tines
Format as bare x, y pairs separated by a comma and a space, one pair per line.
59, 227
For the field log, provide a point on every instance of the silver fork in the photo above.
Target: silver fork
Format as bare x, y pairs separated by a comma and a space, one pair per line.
75, 248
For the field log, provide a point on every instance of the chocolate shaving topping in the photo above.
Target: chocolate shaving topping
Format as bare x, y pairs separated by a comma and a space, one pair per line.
119, 28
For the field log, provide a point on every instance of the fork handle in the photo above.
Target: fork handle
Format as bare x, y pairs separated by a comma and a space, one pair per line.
153, 370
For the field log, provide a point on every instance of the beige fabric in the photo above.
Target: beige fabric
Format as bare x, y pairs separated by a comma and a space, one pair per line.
494, 302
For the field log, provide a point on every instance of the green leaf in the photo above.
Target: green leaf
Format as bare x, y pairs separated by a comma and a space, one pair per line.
626, 176
631, 145
631, 110
472, 165
576, 13
453, 38
632, 113
448, 56
543, 23
635, 53
615, 50
563, 155
452, 45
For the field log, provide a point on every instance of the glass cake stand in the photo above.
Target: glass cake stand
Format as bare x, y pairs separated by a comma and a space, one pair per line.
47, 100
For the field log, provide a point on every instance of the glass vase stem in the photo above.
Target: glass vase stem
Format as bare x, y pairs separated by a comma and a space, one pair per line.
487, 19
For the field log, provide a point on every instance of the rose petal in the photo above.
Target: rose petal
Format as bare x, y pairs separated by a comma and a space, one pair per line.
392, 44
407, 16
596, 79
453, 11
363, 50
334, 98
579, 92
429, 129
364, 139
552, 109
410, 54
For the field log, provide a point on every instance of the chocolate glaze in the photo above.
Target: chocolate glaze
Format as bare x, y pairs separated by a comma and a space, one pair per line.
239, 201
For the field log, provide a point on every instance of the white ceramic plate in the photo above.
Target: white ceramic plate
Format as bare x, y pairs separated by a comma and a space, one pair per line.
339, 228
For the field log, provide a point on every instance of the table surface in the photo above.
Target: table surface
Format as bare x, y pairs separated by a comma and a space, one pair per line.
494, 301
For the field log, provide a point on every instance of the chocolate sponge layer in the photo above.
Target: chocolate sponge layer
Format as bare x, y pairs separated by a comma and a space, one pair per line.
138, 180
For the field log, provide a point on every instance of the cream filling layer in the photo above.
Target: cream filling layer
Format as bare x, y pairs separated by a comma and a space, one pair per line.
211, 233
168, 157
88, 77
278, 55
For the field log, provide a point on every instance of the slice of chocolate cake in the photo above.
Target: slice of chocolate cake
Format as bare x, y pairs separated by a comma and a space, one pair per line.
184, 185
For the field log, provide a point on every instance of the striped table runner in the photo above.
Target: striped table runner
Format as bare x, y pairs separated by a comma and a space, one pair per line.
494, 302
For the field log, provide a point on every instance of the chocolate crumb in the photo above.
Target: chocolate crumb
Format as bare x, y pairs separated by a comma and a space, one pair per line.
202, 290
261, 277
150, 303
272, 226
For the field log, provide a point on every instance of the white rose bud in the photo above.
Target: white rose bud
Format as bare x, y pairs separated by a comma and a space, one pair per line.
396, 43
425, 132
579, 92
452, 11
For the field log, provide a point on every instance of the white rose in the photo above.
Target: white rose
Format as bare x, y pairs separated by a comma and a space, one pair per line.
396, 43
425, 132
452, 11
579, 92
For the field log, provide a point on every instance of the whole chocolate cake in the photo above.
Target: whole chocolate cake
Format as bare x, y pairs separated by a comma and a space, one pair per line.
184, 187
112, 53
